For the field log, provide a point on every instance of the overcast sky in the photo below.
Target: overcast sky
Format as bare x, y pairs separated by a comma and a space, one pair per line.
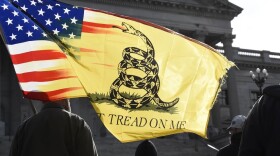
257, 27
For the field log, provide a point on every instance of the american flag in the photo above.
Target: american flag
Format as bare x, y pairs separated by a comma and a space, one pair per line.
62, 50
36, 34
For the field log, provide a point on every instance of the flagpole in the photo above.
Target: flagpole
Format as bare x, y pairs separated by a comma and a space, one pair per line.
32, 107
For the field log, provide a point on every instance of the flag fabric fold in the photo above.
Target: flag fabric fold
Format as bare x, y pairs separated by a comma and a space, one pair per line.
143, 80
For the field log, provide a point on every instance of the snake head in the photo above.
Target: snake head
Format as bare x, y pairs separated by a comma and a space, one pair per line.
128, 28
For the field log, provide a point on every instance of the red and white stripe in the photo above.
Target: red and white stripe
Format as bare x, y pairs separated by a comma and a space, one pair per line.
43, 71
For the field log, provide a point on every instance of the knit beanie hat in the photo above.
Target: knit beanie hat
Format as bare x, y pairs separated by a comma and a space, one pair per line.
146, 148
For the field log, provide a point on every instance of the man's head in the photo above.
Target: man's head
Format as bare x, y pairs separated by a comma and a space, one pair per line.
65, 103
146, 148
237, 124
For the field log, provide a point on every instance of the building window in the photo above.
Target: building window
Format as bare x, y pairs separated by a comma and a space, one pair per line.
223, 98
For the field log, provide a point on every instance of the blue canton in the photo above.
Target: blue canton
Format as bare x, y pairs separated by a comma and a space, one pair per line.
39, 20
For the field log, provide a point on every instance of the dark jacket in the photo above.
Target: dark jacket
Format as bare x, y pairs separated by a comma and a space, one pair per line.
233, 147
261, 134
53, 132
146, 148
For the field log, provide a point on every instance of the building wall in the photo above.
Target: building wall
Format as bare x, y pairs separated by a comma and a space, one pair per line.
206, 27
248, 60
164, 16
11, 96
201, 24
194, 23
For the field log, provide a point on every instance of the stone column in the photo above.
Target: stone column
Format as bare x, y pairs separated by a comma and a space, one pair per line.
2, 124
1, 70
10, 93
233, 98
200, 35
265, 56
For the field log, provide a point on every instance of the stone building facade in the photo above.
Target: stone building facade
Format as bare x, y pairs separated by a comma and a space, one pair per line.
208, 21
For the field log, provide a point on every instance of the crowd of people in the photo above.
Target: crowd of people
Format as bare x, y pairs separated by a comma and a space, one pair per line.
259, 134
56, 131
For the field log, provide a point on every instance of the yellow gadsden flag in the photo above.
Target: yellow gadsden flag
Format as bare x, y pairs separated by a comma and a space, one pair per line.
143, 80
146, 81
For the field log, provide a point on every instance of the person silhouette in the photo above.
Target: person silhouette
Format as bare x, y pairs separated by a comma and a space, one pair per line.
261, 130
146, 148
235, 130
54, 131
